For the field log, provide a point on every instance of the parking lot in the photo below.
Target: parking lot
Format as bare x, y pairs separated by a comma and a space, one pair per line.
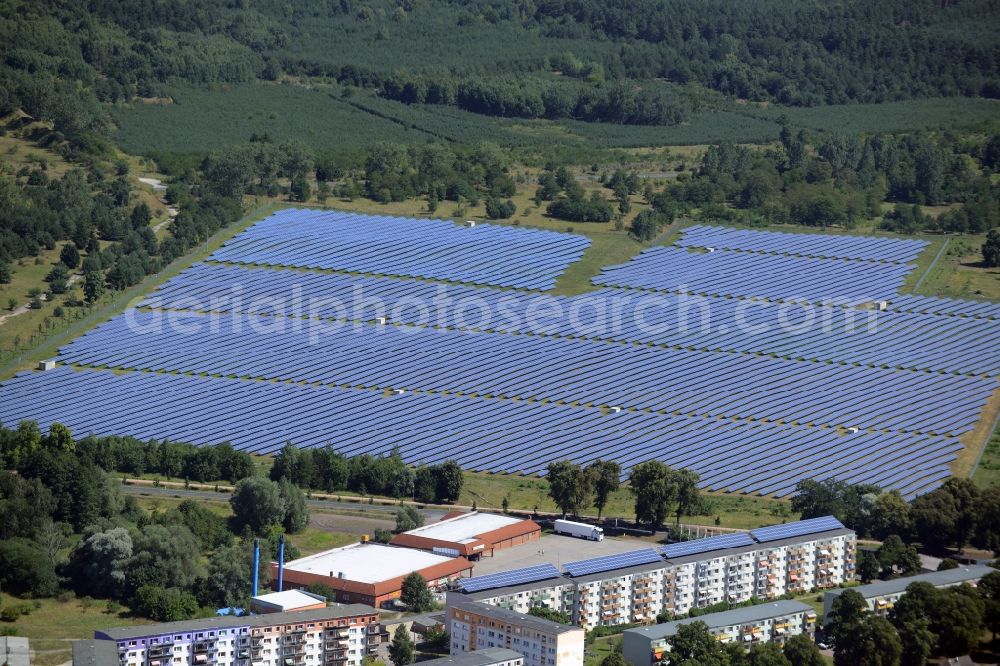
554, 549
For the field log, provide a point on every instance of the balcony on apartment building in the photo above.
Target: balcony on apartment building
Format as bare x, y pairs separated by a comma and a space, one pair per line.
160, 650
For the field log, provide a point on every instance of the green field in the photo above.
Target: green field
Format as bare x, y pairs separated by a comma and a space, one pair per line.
204, 119
53, 625
916, 114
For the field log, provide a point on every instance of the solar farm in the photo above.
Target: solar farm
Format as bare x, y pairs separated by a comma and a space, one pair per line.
754, 358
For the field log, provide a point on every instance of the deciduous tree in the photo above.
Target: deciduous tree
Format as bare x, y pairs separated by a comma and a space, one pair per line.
415, 594
605, 477
652, 485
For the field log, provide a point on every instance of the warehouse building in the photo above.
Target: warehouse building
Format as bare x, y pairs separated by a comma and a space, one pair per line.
883, 595
342, 635
371, 573
485, 657
477, 626
773, 621
471, 535
637, 586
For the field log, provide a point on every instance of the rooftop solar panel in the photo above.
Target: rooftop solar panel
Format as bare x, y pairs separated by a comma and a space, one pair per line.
697, 546
514, 577
611, 562
800, 528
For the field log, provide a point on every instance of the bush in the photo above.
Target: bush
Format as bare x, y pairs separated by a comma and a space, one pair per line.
164, 604
497, 209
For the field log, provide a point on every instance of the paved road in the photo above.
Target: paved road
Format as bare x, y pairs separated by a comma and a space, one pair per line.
389, 510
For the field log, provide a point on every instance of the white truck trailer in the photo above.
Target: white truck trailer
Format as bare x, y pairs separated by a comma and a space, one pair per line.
582, 530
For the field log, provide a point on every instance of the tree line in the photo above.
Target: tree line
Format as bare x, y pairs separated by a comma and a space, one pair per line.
165, 564
955, 515
658, 490
327, 470
619, 102
925, 622
841, 180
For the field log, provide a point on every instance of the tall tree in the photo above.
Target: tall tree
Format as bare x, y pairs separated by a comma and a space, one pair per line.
569, 486
230, 577
69, 256
402, 650
897, 559
890, 514
652, 484
605, 477
991, 249
415, 594
296, 512
686, 484
163, 556
96, 565
801, 650
765, 654
693, 644
989, 588
449, 481
257, 504
910, 619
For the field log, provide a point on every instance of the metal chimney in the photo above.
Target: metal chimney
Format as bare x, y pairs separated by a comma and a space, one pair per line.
256, 564
281, 562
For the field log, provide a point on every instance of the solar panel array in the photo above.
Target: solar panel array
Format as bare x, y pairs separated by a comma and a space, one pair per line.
945, 306
745, 274
796, 529
750, 405
892, 339
507, 578
484, 435
610, 562
536, 368
707, 545
484, 254
867, 248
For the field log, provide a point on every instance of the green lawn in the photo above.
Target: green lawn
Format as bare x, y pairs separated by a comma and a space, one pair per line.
52, 626
988, 471
527, 493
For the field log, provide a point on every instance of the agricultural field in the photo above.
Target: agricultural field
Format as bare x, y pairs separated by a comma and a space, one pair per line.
331, 122
940, 113
485, 391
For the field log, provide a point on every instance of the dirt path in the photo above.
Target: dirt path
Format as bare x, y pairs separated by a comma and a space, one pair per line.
21, 309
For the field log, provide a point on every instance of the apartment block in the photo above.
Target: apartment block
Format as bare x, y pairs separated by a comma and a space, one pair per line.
883, 595
558, 594
635, 587
332, 636
476, 626
774, 621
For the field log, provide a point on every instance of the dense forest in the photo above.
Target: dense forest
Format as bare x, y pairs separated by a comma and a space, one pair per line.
616, 61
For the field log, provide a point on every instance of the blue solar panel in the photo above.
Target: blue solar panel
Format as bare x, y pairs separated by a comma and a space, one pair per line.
707, 545
610, 562
800, 528
514, 577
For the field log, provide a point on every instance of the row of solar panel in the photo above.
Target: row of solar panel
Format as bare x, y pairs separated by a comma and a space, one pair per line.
867, 248
485, 254
487, 435
649, 555
743, 274
891, 339
945, 306
535, 368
